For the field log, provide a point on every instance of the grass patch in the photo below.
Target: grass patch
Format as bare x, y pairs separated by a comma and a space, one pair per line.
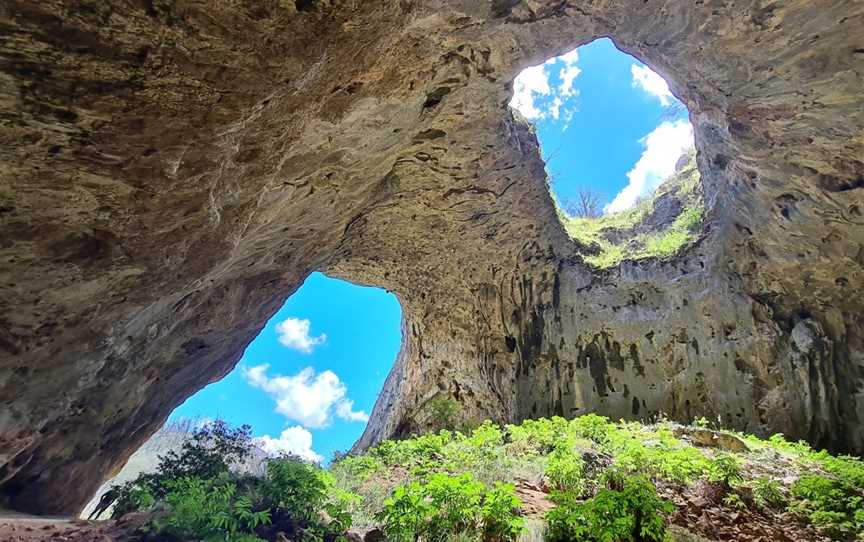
625, 236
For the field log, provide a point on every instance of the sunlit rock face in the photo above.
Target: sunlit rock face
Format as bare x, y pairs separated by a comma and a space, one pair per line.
171, 171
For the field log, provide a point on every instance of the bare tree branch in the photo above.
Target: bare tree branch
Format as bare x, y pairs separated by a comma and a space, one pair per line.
586, 204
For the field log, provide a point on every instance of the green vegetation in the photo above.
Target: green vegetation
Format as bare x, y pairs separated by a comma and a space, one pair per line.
832, 504
209, 509
626, 236
633, 513
768, 493
585, 479
447, 507
199, 494
444, 412
209, 454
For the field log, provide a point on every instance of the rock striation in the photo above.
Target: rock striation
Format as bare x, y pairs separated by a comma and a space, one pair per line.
172, 170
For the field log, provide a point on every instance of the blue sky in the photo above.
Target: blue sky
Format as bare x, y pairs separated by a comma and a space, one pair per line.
308, 382
599, 115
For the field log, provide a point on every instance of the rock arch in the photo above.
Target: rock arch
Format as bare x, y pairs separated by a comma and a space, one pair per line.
171, 170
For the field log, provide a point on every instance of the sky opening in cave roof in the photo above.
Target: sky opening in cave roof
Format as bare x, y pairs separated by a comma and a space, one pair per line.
308, 382
606, 122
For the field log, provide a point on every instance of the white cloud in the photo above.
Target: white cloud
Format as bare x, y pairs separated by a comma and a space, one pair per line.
294, 333
663, 147
555, 107
531, 81
650, 82
309, 399
535, 98
293, 440
569, 73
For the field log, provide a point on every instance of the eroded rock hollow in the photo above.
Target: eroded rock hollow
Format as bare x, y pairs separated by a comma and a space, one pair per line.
172, 170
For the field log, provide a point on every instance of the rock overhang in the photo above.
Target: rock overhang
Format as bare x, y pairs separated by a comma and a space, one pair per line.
172, 172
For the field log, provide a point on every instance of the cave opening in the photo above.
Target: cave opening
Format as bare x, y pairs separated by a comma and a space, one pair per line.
306, 384
619, 153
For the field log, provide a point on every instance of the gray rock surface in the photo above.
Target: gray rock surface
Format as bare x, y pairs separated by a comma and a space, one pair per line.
171, 171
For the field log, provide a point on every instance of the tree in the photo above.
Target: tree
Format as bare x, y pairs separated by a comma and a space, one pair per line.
586, 204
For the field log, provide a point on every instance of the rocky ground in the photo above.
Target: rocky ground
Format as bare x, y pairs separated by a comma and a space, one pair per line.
22, 528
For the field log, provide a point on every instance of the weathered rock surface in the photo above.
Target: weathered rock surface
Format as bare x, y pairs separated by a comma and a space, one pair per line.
170, 171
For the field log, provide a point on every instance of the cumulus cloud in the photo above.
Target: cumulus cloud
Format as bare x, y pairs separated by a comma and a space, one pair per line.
535, 97
294, 333
532, 81
293, 440
650, 82
663, 147
569, 73
309, 399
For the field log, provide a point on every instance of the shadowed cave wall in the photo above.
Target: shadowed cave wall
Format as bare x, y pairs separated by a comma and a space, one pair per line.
171, 170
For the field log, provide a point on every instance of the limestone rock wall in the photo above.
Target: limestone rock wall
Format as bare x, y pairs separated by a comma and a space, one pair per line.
170, 171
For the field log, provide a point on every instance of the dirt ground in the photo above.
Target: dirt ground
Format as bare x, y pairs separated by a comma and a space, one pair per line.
16, 527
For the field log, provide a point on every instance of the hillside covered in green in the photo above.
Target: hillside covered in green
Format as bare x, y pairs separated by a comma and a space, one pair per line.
553, 479
659, 226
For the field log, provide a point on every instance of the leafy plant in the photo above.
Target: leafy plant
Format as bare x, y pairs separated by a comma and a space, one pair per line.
734, 500
832, 505
359, 467
564, 471
209, 509
211, 452
659, 453
634, 513
446, 507
539, 436
501, 522
726, 470
593, 427
294, 486
767, 493
444, 412
406, 514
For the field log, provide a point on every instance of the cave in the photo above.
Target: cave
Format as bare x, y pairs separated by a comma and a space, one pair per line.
172, 170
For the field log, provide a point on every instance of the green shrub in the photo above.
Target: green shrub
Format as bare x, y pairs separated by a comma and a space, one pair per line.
487, 437
726, 470
666, 457
295, 487
500, 510
205, 498
406, 513
444, 412
734, 500
634, 513
767, 493
565, 471
832, 505
542, 435
359, 467
593, 427
450, 506
211, 452
847, 469
209, 510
